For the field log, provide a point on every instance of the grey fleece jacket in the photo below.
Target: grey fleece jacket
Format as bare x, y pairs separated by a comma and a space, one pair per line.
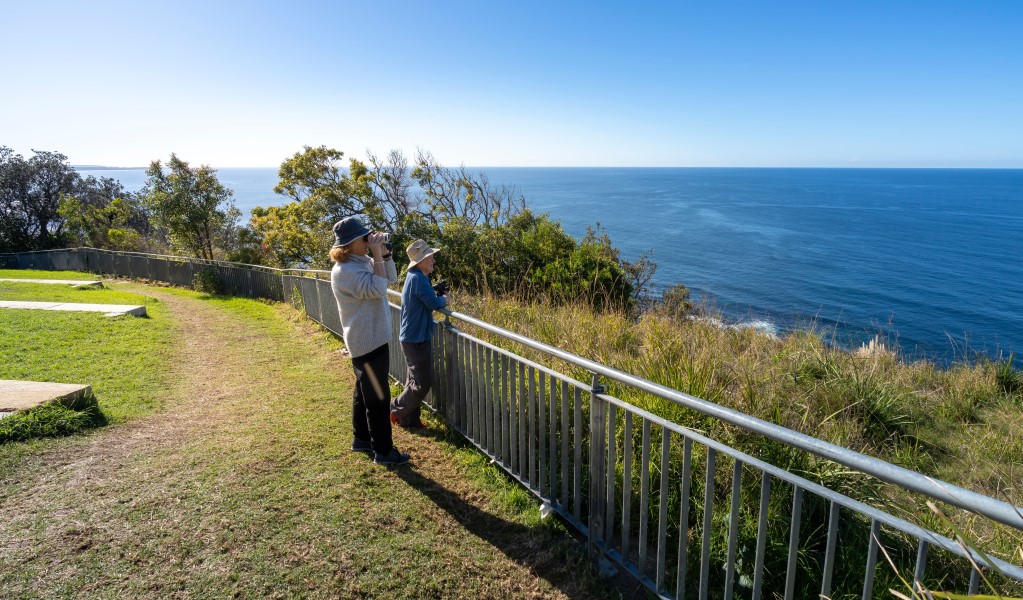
362, 301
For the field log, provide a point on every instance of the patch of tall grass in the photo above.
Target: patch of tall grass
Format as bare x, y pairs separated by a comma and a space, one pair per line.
52, 420
873, 403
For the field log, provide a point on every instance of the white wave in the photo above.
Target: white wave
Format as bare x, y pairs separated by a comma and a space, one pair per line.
764, 327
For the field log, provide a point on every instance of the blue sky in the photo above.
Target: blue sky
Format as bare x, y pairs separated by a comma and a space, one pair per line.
231, 84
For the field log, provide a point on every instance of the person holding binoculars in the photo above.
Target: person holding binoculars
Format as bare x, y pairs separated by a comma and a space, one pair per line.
363, 268
418, 301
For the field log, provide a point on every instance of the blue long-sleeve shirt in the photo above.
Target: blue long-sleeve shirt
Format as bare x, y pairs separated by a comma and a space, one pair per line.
418, 301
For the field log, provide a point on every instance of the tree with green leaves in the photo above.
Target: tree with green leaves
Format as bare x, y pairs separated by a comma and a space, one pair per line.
191, 204
100, 226
407, 202
103, 215
459, 194
492, 242
378, 189
323, 191
291, 235
30, 195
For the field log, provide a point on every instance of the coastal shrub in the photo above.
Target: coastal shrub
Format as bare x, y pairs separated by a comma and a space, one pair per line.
592, 273
676, 301
1010, 379
529, 257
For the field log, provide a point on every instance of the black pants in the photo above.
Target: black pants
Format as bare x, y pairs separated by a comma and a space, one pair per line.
371, 406
418, 381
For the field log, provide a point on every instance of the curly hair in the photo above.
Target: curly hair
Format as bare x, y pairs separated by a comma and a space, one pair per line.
340, 254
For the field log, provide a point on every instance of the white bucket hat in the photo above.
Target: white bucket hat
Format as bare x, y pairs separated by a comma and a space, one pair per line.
418, 251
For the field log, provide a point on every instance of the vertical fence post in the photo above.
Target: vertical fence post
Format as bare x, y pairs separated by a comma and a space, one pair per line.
595, 527
450, 359
319, 302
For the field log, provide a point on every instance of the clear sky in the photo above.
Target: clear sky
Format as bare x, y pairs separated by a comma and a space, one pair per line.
483, 83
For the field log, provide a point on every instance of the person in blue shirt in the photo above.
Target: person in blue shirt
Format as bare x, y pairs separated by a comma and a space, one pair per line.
418, 301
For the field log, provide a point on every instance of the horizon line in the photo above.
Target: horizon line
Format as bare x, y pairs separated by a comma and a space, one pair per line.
89, 167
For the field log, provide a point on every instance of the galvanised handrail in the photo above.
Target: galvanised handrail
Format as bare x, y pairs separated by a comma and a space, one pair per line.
499, 402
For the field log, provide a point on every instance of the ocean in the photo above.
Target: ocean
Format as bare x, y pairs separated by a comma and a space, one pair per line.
930, 260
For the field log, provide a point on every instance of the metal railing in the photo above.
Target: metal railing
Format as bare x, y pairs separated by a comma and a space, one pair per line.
645, 492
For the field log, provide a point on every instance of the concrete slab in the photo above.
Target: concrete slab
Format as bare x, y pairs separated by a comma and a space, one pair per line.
111, 310
22, 395
71, 282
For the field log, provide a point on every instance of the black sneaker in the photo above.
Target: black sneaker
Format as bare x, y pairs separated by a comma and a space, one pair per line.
362, 446
392, 458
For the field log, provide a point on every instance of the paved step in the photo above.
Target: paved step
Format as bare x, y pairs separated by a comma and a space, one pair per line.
22, 395
72, 282
111, 310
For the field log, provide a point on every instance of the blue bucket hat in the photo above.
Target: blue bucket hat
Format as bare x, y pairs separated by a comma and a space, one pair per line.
347, 230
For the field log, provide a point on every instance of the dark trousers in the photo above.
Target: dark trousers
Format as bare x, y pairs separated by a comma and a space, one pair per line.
371, 407
418, 380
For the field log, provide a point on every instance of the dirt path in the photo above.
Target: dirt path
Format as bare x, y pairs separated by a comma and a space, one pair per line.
243, 486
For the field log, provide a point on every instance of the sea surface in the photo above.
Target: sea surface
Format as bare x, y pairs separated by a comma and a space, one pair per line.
928, 259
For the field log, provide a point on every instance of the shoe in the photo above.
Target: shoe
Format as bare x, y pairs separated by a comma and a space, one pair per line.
394, 418
392, 458
416, 425
362, 446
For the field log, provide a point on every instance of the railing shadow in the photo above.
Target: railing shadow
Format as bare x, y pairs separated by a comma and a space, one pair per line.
551, 555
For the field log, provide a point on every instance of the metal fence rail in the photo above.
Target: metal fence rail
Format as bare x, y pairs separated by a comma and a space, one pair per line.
651, 496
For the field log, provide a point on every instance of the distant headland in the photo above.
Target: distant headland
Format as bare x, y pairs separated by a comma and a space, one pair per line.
104, 168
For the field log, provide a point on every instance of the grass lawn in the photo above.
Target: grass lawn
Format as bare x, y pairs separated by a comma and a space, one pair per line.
119, 357
49, 292
226, 472
31, 274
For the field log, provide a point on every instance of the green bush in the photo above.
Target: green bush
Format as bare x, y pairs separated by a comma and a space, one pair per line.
530, 257
676, 301
1010, 380
207, 281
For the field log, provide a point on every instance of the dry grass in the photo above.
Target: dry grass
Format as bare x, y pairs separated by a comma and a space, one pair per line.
955, 423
